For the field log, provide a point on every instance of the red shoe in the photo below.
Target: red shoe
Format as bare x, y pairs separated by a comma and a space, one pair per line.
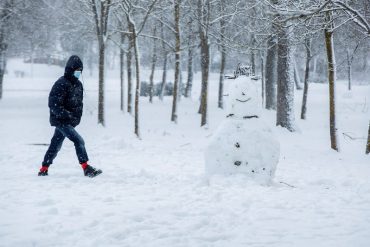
43, 171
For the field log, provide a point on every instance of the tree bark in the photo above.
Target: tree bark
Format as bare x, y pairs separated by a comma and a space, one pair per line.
271, 73
122, 74
189, 82
205, 73
253, 57
164, 74
285, 85
129, 74
101, 119
297, 79
2, 64
331, 75
253, 39
262, 81
223, 56
221, 80
101, 25
253, 63
137, 90
180, 84
368, 141
315, 66
306, 78
349, 70
154, 61
177, 61
203, 11
2, 72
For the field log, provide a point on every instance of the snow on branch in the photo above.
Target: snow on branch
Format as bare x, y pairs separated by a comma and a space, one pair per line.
355, 16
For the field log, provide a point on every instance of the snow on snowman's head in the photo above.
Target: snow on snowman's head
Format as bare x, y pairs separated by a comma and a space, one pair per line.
244, 98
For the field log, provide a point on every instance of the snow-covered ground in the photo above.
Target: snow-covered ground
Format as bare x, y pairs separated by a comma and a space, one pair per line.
154, 192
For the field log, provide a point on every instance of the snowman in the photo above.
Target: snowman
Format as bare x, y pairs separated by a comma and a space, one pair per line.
243, 143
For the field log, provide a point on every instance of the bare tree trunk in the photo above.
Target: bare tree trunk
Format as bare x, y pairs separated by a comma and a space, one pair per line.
164, 74
200, 104
364, 59
253, 56
223, 56
2, 72
331, 75
221, 80
177, 61
349, 70
297, 79
122, 74
262, 81
306, 78
189, 82
285, 85
154, 61
253, 39
129, 75
101, 24
271, 73
134, 42
164, 77
205, 73
315, 65
101, 119
181, 82
203, 10
368, 141
2, 64
137, 90
253, 63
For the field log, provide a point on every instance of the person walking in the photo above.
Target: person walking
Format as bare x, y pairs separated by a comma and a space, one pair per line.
66, 105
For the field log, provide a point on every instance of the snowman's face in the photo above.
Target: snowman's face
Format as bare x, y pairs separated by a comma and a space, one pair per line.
244, 100
243, 97
244, 93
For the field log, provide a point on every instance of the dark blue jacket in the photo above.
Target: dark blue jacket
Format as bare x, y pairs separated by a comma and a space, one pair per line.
65, 98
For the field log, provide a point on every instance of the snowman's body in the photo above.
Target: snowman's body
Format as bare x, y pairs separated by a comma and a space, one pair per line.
243, 143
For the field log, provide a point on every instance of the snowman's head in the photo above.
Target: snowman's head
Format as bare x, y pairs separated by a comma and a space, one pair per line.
244, 98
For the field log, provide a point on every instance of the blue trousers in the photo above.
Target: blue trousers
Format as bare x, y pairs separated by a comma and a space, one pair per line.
61, 132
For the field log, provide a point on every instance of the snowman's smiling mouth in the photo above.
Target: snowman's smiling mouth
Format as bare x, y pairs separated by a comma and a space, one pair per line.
243, 101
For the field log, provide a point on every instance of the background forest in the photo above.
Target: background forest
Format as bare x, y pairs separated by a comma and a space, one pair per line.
285, 42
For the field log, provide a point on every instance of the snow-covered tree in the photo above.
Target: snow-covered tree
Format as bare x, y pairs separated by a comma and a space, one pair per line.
122, 72
153, 65
177, 60
285, 78
368, 141
203, 20
136, 23
223, 54
332, 78
190, 72
7, 11
308, 43
101, 12
271, 72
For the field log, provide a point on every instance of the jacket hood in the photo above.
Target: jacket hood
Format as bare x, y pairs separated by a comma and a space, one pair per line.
73, 63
